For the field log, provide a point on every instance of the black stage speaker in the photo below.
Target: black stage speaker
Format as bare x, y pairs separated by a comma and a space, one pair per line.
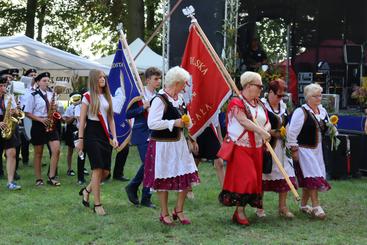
358, 147
210, 15
346, 160
353, 54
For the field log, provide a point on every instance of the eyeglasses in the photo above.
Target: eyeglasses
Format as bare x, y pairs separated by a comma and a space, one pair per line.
259, 86
281, 96
317, 96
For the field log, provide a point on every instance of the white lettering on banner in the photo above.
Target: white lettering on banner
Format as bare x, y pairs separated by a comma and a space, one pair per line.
199, 65
117, 65
202, 112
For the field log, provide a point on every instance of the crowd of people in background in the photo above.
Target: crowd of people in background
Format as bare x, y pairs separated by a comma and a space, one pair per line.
169, 159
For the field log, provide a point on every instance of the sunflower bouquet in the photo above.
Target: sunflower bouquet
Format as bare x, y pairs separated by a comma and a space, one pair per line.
186, 121
283, 137
333, 132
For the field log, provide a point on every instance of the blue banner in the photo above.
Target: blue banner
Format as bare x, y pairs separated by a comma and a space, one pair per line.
124, 92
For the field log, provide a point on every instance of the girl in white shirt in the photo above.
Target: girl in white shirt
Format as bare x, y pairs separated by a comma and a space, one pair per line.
96, 122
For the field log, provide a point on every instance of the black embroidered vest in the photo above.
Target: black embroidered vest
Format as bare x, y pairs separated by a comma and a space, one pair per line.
309, 135
170, 113
276, 123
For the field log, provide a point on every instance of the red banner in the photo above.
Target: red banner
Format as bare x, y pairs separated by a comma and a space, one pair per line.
208, 90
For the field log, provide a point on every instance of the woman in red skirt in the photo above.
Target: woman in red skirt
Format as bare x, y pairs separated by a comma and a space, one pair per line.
243, 179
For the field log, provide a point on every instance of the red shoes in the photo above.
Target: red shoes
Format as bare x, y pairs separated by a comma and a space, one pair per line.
175, 217
185, 221
236, 219
161, 219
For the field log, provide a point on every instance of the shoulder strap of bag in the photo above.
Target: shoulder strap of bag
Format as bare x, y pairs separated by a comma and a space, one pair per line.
239, 137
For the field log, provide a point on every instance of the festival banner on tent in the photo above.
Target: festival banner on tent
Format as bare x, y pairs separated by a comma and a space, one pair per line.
125, 93
208, 90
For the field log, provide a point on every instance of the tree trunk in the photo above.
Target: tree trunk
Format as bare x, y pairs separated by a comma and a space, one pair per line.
41, 21
118, 12
30, 16
135, 22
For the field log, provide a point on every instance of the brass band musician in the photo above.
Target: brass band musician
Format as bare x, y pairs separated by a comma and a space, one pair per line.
41, 108
8, 139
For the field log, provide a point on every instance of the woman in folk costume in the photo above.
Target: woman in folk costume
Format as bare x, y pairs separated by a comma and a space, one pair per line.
278, 117
306, 128
169, 164
96, 121
243, 179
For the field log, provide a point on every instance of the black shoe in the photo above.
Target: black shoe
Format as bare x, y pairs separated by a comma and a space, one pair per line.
16, 176
132, 195
85, 171
70, 172
121, 178
148, 204
53, 181
81, 193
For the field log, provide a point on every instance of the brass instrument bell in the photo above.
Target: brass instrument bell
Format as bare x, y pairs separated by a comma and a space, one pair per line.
75, 99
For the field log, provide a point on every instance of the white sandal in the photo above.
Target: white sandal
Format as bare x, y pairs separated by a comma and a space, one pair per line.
307, 209
260, 213
318, 212
190, 195
284, 212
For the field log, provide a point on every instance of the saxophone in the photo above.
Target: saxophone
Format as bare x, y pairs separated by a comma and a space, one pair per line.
10, 122
52, 115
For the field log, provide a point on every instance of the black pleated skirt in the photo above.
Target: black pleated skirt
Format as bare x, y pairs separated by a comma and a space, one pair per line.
97, 146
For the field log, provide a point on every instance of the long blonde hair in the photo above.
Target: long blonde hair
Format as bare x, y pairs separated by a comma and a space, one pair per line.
94, 90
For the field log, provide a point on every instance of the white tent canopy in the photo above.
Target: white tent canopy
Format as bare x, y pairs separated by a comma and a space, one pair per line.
146, 59
23, 53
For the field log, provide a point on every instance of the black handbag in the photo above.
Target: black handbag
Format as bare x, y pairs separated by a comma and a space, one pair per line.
267, 162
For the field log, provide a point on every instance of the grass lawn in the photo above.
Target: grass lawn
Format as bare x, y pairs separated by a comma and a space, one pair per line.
51, 215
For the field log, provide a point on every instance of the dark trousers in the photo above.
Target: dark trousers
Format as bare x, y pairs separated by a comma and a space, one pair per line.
118, 170
81, 164
1, 161
138, 179
24, 149
17, 151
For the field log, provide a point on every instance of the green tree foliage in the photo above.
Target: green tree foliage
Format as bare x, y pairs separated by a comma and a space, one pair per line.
12, 18
68, 24
153, 19
273, 38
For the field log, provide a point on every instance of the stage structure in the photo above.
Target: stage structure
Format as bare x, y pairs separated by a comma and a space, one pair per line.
326, 43
165, 38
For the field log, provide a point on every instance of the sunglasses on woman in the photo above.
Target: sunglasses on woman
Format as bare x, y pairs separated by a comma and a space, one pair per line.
280, 95
259, 86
